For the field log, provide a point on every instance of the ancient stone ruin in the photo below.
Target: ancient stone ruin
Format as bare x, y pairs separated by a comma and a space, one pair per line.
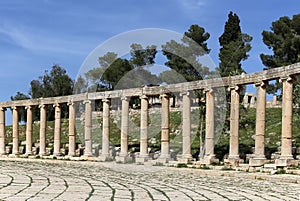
234, 84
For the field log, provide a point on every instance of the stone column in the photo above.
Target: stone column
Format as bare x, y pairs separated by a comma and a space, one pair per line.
105, 132
43, 124
209, 156
72, 137
123, 157
57, 130
165, 123
186, 128
143, 157
234, 125
88, 129
260, 126
15, 149
28, 131
2, 131
286, 157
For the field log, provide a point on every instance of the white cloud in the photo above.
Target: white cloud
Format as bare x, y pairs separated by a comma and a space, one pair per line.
192, 4
37, 40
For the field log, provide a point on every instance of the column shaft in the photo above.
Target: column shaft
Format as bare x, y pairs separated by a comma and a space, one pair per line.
43, 124
106, 129
2, 131
57, 130
234, 123
287, 111
144, 127
29, 130
15, 131
124, 126
260, 121
165, 122
88, 128
210, 124
186, 126
72, 139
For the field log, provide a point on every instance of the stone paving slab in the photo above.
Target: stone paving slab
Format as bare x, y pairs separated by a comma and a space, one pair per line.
52, 180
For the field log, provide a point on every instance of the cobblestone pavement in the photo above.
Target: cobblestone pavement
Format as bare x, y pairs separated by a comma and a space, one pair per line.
110, 181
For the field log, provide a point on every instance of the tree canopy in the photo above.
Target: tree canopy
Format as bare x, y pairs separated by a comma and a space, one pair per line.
234, 47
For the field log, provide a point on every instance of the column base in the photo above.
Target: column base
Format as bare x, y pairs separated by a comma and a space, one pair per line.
208, 160
185, 159
141, 159
233, 161
162, 160
14, 155
257, 162
286, 162
104, 158
123, 159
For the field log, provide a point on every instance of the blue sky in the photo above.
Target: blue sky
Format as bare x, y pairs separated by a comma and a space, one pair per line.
36, 34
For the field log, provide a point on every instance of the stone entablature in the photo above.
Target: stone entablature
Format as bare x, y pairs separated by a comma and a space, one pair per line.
233, 83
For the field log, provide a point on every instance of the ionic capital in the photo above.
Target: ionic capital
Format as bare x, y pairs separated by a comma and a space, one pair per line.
84, 102
106, 100
42, 106
164, 96
185, 93
3, 109
144, 97
56, 105
288, 78
235, 88
125, 98
263, 83
28, 107
208, 90
14, 108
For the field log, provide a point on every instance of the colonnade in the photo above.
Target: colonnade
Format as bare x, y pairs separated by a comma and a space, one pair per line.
234, 84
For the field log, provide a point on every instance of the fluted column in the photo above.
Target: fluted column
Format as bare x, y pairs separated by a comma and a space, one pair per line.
57, 129
186, 126
234, 123
72, 139
209, 156
260, 126
2, 131
124, 127
28, 130
106, 129
15, 149
88, 128
43, 124
286, 157
144, 128
165, 123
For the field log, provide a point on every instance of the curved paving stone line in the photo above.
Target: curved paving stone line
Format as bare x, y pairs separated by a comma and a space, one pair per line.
111, 181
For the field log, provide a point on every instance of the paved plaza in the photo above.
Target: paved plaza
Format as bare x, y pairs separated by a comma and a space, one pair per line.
67, 180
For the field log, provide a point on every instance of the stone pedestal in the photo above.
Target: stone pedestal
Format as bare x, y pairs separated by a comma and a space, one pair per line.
141, 159
257, 162
123, 159
185, 160
208, 160
234, 161
281, 162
